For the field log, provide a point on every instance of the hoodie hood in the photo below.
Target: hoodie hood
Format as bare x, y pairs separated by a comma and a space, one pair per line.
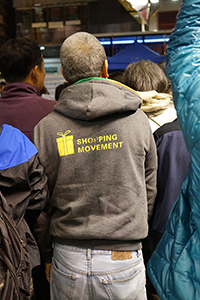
93, 98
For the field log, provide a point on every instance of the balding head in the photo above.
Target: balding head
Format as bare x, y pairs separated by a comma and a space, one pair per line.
82, 56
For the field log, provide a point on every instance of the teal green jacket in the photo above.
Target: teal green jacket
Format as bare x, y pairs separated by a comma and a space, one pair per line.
174, 267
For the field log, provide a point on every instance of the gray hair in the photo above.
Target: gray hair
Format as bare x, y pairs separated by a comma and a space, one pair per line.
82, 56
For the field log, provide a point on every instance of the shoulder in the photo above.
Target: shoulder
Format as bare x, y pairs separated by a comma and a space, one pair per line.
15, 147
168, 127
47, 102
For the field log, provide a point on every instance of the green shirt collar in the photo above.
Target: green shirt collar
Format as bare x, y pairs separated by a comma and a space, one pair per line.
89, 79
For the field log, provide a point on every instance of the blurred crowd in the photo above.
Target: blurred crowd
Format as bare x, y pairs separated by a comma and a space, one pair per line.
101, 182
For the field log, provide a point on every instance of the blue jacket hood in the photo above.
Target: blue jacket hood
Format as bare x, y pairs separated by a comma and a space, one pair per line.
15, 149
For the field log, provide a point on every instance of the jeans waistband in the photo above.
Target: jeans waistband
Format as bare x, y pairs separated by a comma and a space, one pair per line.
116, 254
101, 244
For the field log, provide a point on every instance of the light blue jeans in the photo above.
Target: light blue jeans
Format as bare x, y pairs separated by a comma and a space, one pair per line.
85, 274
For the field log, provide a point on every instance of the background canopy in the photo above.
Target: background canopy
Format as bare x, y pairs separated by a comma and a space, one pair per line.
132, 53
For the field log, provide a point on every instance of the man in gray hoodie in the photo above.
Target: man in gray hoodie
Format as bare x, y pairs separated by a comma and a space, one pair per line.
98, 152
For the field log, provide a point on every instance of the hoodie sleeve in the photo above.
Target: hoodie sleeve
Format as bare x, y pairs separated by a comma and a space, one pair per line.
37, 214
151, 174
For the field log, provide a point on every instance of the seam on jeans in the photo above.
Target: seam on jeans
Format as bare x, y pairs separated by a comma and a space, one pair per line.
97, 273
122, 280
116, 271
89, 273
84, 250
69, 276
71, 248
70, 268
67, 294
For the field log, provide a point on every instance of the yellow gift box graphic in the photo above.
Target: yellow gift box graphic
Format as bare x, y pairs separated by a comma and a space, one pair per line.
65, 143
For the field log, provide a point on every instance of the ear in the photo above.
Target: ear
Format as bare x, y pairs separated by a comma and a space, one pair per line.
63, 73
104, 72
34, 74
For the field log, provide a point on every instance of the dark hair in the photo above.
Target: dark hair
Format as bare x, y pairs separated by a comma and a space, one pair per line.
17, 58
44, 91
2, 83
145, 76
162, 65
117, 76
59, 89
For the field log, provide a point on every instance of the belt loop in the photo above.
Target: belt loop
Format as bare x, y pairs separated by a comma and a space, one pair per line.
88, 254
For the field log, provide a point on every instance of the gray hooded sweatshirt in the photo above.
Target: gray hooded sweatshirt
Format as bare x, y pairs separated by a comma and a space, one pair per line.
99, 154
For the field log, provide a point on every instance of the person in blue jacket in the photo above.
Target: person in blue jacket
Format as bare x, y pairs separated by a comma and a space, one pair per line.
175, 264
24, 186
